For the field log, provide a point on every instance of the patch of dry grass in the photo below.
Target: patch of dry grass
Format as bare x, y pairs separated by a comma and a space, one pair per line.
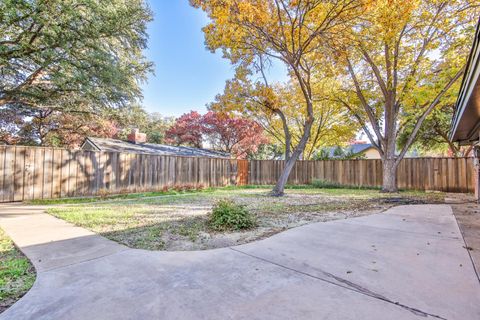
179, 222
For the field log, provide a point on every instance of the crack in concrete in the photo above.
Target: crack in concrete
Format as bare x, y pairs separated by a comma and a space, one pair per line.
346, 284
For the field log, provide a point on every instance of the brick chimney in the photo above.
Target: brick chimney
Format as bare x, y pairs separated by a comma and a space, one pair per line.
137, 137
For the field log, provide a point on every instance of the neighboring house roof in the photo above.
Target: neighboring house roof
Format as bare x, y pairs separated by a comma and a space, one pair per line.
466, 121
356, 148
115, 145
359, 148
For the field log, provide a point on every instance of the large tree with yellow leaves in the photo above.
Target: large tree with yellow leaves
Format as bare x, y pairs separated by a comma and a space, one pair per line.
293, 32
402, 59
278, 108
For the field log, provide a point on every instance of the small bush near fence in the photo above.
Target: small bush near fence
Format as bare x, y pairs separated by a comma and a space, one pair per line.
227, 215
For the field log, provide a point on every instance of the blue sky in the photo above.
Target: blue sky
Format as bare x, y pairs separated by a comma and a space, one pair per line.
187, 75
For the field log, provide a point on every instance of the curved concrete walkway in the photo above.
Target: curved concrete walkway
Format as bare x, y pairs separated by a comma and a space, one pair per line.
407, 263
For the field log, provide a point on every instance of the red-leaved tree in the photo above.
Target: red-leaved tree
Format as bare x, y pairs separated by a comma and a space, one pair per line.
235, 135
187, 130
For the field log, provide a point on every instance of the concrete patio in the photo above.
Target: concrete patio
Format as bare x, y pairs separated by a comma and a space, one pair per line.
407, 263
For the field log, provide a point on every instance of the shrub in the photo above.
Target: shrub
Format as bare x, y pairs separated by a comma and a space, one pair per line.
188, 187
227, 215
103, 193
183, 187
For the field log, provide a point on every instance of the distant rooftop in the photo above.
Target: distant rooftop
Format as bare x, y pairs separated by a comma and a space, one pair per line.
359, 147
355, 148
115, 145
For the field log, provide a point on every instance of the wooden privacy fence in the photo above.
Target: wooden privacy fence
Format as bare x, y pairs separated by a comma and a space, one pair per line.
441, 174
28, 173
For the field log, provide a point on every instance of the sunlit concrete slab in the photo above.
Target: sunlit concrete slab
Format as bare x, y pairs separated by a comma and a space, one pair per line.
375, 267
50, 242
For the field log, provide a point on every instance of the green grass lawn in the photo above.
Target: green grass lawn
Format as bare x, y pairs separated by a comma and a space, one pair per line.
179, 221
16, 273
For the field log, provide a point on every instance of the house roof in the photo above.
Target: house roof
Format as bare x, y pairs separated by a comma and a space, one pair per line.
359, 147
115, 145
355, 148
466, 121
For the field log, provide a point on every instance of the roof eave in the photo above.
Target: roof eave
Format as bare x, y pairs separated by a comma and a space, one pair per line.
469, 80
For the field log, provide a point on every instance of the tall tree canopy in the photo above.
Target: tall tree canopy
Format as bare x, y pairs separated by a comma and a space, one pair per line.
278, 108
403, 58
72, 55
52, 127
47, 127
290, 31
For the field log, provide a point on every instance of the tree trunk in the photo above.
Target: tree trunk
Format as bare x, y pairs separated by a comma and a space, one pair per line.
389, 175
279, 188
286, 132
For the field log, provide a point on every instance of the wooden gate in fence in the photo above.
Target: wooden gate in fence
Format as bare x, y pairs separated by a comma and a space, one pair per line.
242, 172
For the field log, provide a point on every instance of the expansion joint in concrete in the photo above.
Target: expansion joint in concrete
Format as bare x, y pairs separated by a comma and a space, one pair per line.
345, 284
